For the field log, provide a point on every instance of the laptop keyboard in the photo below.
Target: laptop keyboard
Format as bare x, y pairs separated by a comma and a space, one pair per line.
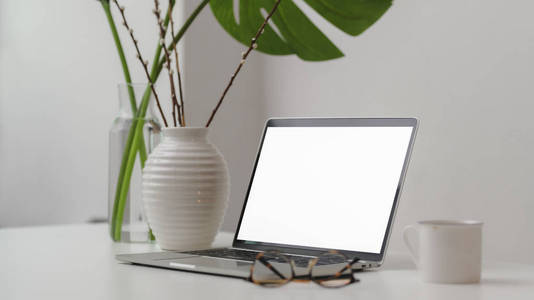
251, 256
226, 253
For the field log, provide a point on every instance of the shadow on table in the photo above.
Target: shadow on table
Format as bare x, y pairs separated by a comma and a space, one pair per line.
398, 262
507, 282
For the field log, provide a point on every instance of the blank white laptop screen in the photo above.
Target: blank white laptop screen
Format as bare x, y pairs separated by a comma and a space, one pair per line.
325, 187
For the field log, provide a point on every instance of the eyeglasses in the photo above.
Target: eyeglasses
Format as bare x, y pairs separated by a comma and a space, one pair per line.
274, 269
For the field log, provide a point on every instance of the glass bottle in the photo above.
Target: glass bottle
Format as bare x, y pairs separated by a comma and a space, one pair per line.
134, 227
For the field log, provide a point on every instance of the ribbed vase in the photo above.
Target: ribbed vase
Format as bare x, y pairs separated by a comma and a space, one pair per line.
185, 189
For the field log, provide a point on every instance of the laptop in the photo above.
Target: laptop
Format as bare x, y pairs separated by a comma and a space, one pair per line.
318, 184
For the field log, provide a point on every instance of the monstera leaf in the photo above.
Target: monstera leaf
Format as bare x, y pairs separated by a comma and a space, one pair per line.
294, 33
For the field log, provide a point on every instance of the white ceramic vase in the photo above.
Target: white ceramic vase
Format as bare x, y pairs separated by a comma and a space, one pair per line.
185, 189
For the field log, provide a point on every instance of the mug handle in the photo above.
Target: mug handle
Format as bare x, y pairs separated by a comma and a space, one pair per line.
409, 234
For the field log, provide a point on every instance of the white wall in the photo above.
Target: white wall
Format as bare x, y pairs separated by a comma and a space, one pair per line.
57, 101
466, 69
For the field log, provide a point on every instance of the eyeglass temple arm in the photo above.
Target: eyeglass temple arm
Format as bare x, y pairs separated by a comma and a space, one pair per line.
349, 265
271, 267
355, 260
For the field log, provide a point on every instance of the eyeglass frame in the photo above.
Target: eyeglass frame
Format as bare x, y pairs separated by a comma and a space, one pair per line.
308, 276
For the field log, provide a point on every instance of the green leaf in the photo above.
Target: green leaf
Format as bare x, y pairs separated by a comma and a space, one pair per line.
294, 32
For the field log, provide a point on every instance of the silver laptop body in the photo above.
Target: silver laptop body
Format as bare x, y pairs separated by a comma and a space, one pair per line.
350, 173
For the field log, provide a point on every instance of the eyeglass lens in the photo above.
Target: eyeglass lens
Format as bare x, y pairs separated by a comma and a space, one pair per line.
271, 269
332, 270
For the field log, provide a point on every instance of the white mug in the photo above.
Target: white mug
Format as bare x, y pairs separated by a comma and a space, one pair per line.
446, 251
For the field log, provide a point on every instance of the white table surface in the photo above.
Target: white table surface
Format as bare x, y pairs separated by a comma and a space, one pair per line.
77, 262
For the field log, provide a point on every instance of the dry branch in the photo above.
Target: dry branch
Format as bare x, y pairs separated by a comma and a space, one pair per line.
244, 56
162, 32
178, 73
140, 57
